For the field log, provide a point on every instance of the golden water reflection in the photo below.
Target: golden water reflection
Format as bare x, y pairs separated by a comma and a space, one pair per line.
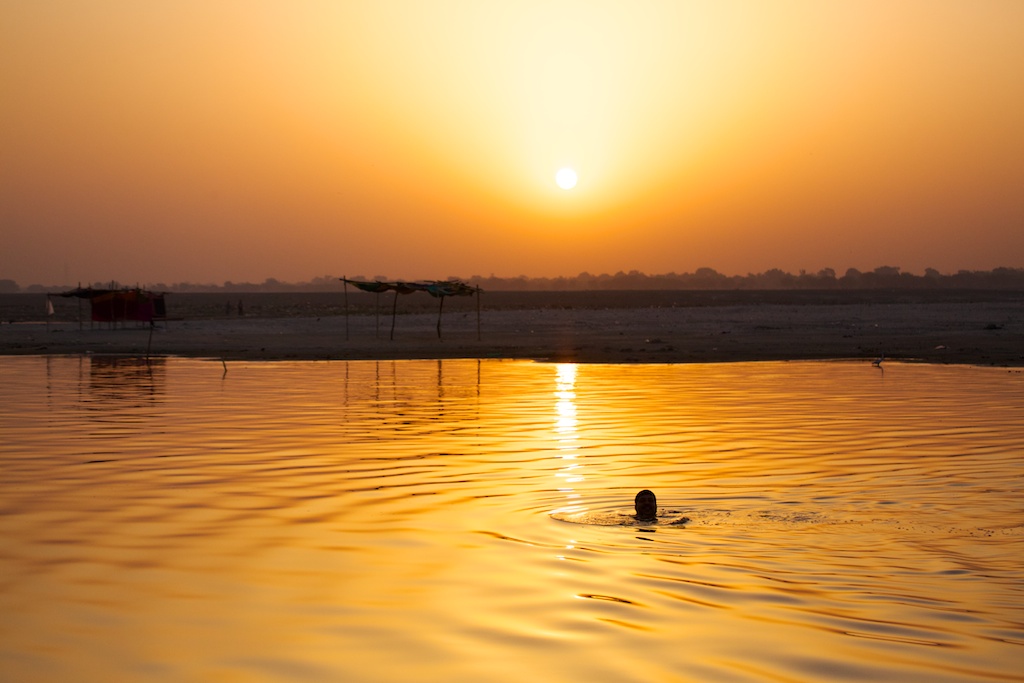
566, 437
381, 521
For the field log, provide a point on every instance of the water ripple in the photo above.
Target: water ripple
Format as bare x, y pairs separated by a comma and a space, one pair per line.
422, 520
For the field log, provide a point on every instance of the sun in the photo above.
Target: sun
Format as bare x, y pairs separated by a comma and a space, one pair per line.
566, 178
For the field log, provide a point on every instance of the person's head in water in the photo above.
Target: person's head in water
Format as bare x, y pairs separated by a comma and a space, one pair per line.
646, 505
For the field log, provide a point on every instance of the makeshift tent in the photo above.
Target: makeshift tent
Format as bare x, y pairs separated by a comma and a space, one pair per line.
436, 288
117, 305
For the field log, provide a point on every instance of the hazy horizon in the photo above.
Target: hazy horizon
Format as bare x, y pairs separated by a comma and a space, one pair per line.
211, 142
701, 278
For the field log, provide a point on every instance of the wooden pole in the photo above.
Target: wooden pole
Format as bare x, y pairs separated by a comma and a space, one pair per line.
344, 279
439, 310
478, 313
376, 314
394, 310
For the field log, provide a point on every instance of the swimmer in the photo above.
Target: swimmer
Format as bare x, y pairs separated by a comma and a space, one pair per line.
646, 506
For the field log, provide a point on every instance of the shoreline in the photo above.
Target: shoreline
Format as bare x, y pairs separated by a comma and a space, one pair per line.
969, 333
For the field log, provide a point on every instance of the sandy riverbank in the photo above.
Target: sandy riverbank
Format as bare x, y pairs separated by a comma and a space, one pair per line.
968, 332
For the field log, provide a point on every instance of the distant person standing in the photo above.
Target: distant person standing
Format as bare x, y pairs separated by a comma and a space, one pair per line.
240, 311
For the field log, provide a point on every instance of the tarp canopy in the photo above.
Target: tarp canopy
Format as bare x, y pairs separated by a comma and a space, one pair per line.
435, 288
115, 305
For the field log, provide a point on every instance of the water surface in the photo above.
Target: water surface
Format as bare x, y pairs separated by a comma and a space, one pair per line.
441, 520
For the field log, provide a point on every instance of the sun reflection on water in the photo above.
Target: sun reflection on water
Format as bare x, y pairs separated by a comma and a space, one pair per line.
567, 437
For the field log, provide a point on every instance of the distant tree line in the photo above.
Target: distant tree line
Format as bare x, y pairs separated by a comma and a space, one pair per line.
883, 277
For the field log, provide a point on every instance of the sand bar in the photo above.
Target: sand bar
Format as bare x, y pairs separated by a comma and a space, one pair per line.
982, 332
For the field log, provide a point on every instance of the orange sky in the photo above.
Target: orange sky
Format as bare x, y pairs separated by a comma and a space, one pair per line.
210, 141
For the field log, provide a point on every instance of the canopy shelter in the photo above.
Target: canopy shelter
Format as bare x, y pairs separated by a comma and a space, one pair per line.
436, 288
118, 305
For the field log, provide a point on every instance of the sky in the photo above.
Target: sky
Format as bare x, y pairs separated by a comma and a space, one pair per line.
239, 140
